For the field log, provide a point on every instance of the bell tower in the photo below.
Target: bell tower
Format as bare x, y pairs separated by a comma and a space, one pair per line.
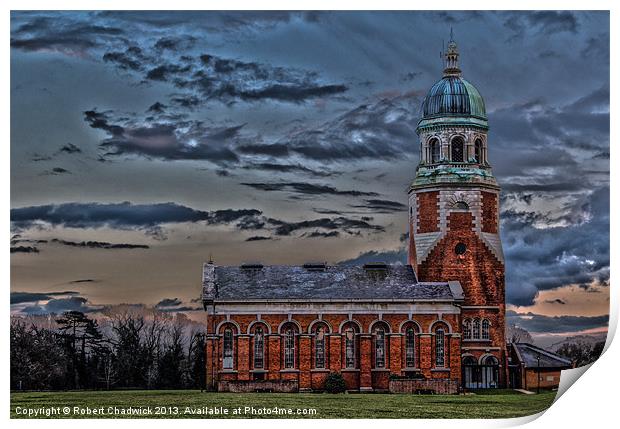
454, 208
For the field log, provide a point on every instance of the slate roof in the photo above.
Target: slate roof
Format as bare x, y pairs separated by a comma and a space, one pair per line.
527, 354
334, 282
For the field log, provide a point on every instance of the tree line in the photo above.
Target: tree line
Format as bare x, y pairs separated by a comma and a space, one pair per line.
131, 352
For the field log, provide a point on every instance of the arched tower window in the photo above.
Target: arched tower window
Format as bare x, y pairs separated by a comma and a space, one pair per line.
458, 149
380, 330
290, 338
476, 330
319, 345
485, 329
440, 352
259, 348
434, 150
349, 331
467, 329
478, 151
227, 349
410, 347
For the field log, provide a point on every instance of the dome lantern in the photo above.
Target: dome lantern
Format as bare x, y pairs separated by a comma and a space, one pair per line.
452, 58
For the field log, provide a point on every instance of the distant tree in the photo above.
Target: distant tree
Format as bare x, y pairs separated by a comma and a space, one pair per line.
515, 334
130, 360
36, 358
196, 357
81, 337
172, 360
581, 353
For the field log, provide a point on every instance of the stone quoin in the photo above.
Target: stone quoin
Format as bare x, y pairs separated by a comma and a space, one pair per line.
439, 318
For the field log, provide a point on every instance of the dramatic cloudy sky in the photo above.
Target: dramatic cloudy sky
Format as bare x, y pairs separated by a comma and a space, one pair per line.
142, 143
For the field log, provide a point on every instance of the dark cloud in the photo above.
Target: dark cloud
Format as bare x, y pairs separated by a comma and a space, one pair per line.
168, 302
58, 170
61, 305
382, 206
555, 301
545, 22
553, 257
145, 217
22, 297
537, 323
167, 140
350, 226
99, 244
61, 35
156, 107
24, 249
319, 234
258, 238
84, 281
306, 189
123, 60
381, 130
288, 168
70, 148
387, 256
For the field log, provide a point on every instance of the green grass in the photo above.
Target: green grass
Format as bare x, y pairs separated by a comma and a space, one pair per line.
502, 405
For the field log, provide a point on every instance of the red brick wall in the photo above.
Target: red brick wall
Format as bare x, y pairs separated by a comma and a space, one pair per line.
428, 217
480, 273
490, 212
309, 377
531, 379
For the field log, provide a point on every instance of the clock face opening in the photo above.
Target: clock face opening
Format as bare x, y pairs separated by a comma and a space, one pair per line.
460, 248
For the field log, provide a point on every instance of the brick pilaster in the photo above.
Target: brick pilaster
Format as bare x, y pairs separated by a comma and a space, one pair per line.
365, 362
243, 357
335, 352
274, 356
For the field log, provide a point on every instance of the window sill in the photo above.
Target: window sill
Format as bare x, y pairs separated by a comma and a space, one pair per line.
259, 371
380, 370
290, 370
319, 370
410, 369
228, 371
349, 370
469, 340
440, 370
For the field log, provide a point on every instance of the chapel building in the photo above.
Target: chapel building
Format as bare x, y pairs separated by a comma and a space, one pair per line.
439, 318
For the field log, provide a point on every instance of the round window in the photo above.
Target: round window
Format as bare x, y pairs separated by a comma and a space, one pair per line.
460, 248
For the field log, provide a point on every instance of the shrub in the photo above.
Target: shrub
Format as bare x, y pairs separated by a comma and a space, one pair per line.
335, 383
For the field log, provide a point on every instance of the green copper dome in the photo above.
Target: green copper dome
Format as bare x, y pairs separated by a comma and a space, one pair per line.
453, 96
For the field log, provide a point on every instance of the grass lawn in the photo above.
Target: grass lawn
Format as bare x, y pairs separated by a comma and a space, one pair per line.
185, 404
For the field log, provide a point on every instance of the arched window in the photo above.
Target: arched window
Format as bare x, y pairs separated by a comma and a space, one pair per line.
228, 352
490, 372
490, 360
379, 332
289, 334
440, 357
319, 346
259, 348
410, 347
467, 329
478, 151
485, 329
349, 331
458, 148
476, 330
461, 205
434, 149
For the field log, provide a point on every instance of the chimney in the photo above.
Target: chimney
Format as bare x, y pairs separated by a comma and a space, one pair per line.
209, 287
